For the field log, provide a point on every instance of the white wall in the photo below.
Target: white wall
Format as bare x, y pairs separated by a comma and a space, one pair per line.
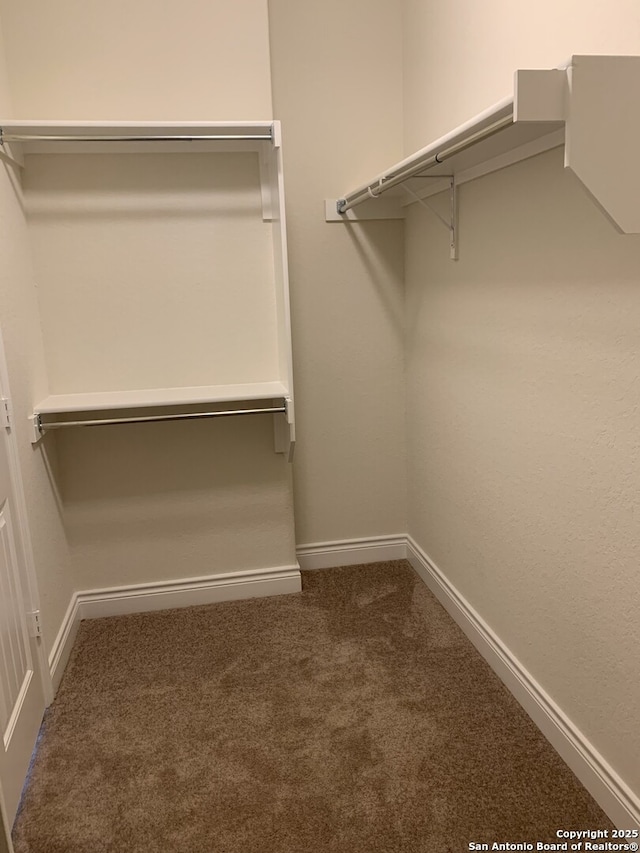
339, 101
154, 271
522, 362
20, 324
459, 57
194, 60
173, 500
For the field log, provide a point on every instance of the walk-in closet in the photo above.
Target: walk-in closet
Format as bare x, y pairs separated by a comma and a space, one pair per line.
318, 387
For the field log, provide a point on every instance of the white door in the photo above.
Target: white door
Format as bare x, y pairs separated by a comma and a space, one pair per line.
22, 693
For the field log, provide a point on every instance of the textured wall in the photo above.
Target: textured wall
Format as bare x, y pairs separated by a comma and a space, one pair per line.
19, 320
339, 100
522, 363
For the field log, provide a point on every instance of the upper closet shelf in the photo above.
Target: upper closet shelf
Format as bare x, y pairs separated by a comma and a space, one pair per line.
589, 105
155, 397
50, 137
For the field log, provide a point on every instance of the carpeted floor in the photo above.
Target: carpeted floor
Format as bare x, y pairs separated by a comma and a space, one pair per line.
352, 718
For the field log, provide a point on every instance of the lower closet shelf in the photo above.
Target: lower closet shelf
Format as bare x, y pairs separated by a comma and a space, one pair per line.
62, 411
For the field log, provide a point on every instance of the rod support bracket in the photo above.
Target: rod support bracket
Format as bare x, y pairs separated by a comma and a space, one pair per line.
451, 224
36, 427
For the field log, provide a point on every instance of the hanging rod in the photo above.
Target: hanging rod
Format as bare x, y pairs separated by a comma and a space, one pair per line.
42, 427
413, 168
211, 137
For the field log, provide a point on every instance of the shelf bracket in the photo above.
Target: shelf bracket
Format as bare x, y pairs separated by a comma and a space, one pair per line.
36, 427
6, 153
451, 224
284, 431
266, 180
268, 163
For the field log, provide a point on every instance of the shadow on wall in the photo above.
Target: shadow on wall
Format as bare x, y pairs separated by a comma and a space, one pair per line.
123, 461
146, 500
378, 251
157, 185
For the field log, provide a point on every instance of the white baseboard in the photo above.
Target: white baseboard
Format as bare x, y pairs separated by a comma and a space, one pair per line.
63, 643
143, 598
615, 798
351, 552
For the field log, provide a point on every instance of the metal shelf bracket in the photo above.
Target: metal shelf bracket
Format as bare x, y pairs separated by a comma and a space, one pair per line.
451, 224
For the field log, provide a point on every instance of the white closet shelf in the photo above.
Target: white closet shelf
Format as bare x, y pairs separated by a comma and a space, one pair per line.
21, 137
115, 127
488, 136
188, 403
157, 397
35, 133
589, 105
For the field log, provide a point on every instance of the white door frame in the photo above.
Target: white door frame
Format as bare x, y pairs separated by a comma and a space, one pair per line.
6, 845
31, 591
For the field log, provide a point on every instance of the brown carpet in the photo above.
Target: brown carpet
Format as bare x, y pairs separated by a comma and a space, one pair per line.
354, 717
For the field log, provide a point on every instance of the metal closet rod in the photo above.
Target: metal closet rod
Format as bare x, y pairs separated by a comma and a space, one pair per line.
392, 179
44, 137
43, 427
